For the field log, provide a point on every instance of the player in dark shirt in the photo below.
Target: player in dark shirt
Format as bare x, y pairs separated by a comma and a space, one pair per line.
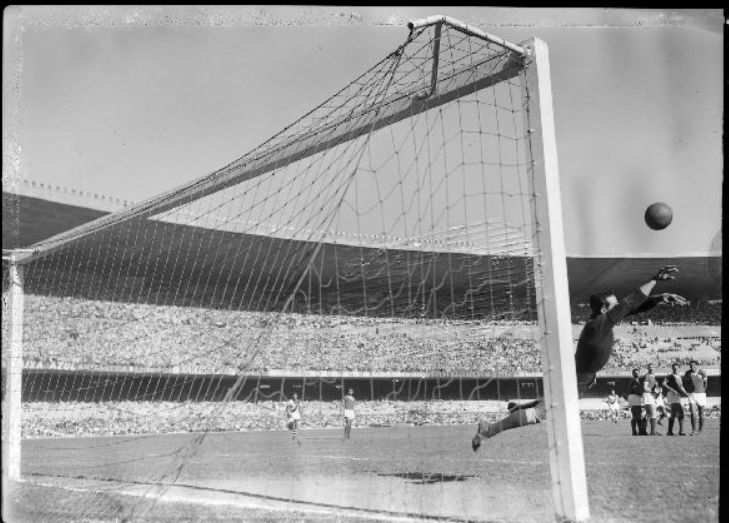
695, 381
635, 401
649, 383
676, 395
594, 348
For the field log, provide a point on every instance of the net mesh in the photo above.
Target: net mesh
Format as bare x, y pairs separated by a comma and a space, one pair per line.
385, 241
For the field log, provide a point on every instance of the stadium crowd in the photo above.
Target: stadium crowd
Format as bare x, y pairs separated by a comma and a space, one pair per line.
119, 418
629, 353
68, 333
701, 313
624, 413
46, 419
78, 334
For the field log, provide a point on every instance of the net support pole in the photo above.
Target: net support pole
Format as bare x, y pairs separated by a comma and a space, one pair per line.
569, 482
11, 408
436, 58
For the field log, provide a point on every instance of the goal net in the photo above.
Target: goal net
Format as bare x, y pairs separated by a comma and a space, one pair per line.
397, 240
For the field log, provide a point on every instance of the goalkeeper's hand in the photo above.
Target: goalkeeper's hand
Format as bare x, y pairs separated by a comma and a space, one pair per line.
666, 273
673, 299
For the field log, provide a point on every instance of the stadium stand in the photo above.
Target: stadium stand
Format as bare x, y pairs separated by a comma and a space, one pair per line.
52, 419
188, 340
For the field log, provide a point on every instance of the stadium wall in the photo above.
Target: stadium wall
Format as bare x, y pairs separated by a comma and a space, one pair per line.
64, 386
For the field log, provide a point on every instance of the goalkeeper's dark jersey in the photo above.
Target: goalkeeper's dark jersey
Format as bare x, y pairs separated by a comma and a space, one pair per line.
596, 341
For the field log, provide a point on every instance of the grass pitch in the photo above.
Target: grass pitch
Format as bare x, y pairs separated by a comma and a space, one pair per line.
394, 473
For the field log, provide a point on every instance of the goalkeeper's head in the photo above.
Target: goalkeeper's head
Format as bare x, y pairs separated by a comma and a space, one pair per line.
602, 302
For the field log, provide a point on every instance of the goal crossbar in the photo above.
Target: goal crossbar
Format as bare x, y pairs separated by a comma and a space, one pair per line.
461, 82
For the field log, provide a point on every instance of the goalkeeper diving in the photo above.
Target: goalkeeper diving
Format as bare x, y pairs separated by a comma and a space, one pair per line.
594, 348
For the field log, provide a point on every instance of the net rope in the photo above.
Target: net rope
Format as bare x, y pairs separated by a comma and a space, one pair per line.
388, 232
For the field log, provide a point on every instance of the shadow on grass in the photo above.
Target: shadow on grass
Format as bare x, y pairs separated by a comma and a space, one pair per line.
429, 479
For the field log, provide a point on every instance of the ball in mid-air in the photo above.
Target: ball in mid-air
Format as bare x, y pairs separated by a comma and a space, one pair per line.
658, 216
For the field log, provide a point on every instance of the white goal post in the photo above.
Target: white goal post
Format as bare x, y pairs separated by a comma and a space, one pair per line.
13, 362
569, 482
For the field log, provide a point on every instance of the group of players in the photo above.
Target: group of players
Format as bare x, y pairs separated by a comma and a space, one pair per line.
645, 398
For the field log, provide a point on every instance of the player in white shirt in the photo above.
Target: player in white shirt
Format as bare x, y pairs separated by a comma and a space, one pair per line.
660, 402
348, 405
649, 400
293, 414
613, 406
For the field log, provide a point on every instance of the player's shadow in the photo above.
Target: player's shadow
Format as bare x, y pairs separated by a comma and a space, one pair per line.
425, 478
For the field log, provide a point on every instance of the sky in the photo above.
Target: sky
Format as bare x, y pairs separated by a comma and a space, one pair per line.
132, 101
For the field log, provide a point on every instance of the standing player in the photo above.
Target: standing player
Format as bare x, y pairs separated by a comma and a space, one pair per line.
695, 382
613, 406
676, 396
348, 406
660, 402
594, 348
293, 414
635, 401
649, 400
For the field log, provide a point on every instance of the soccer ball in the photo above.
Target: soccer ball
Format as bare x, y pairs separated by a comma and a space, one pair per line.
658, 216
